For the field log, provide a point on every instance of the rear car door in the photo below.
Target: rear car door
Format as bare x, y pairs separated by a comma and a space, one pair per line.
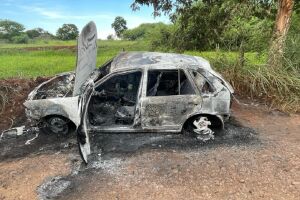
169, 99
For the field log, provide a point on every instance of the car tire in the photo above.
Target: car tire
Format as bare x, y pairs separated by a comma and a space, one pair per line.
56, 125
198, 127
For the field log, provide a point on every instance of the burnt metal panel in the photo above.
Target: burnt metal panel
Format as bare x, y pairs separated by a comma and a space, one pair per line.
86, 56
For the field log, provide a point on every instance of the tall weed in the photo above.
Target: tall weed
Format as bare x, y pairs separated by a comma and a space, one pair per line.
279, 88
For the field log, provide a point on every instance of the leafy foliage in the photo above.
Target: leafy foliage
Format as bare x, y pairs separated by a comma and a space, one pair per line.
20, 39
67, 32
143, 31
10, 29
245, 29
163, 6
210, 24
39, 33
119, 25
110, 37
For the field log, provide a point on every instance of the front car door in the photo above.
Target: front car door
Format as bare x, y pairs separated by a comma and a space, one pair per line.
86, 64
168, 99
114, 101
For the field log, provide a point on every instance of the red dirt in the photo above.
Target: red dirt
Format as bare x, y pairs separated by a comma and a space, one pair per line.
266, 171
72, 48
20, 178
15, 91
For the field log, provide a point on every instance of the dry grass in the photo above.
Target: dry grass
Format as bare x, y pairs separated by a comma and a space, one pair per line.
278, 87
4, 96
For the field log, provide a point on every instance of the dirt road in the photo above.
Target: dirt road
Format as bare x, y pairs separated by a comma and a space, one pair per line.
257, 157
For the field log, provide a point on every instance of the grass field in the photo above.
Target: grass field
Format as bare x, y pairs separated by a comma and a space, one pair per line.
46, 58
37, 59
252, 79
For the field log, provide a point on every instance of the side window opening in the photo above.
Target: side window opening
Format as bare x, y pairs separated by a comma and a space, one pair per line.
168, 82
201, 83
114, 101
185, 85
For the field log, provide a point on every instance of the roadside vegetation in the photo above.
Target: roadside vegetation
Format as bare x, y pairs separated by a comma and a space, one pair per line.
236, 37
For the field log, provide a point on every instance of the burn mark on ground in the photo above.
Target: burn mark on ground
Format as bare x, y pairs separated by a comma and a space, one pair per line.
233, 134
14, 147
110, 151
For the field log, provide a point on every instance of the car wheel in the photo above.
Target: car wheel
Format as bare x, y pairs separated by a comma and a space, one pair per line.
199, 128
56, 125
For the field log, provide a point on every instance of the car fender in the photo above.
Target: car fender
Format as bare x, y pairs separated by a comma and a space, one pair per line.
66, 107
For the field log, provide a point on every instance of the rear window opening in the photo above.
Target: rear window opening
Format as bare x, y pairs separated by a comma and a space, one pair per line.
168, 83
202, 84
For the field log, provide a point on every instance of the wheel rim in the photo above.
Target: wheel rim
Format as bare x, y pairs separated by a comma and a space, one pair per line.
58, 125
201, 129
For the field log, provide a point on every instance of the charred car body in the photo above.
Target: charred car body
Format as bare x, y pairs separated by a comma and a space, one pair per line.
134, 92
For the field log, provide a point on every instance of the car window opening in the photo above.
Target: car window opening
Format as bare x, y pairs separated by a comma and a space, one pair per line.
168, 82
114, 101
201, 83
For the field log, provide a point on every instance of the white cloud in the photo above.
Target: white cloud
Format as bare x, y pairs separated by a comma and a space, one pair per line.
52, 18
54, 14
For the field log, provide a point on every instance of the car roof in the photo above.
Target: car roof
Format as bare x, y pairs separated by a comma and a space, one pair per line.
131, 60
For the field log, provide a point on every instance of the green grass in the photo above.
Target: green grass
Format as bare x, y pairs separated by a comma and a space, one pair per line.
279, 88
251, 57
17, 61
22, 60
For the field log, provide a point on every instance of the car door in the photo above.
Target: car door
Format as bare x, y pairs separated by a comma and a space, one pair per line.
114, 102
82, 131
168, 99
86, 56
86, 64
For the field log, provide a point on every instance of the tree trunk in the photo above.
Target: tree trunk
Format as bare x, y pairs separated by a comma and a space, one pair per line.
282, 24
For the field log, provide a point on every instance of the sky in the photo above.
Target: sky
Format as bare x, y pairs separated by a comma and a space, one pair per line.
51, 14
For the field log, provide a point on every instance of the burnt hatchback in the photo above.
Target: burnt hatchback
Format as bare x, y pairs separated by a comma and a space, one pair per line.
133, 92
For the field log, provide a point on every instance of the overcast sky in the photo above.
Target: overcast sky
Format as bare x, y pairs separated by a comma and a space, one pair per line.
51, 14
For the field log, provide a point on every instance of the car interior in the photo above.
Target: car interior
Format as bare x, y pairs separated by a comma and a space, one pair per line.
168, 82
114, 101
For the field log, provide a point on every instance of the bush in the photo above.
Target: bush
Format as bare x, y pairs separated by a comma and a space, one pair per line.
143, 31
279, 88
134, 34
20, 39
162, 38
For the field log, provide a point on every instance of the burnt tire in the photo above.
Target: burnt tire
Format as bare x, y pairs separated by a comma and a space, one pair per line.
199, 128
56, 125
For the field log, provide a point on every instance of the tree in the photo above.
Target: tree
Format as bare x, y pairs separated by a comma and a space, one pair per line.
165, 6
36, 32
110, 37
282, 24
10, 29
119, 25
67, 32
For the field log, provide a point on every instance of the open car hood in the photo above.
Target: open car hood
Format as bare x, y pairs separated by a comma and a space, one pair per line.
86, 56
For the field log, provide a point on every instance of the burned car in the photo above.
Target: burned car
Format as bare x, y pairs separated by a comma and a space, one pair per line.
133, 92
